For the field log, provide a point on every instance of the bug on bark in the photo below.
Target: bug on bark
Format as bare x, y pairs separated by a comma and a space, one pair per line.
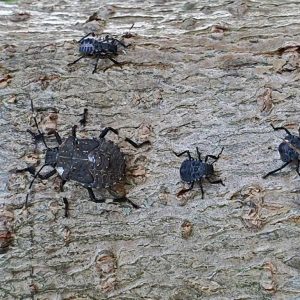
94, 163
195, 170
289, 151
100, 48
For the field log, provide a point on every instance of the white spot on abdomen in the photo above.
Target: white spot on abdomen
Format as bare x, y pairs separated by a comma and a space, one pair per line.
91, 158
60, 170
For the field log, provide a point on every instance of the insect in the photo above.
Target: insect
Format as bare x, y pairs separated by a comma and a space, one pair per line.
194, 170
289, 151
94, 163
100, 48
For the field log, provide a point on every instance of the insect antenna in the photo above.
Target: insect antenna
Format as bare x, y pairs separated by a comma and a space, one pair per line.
31, 183
37, 126
128, 34
131, 27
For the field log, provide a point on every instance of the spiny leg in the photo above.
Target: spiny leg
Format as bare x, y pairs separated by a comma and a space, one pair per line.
281, 128
186, 151
272, 172
199, 154
84, 117
219, 181
183, 191
213, 156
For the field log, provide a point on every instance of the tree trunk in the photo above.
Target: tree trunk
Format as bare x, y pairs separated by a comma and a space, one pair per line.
206, 74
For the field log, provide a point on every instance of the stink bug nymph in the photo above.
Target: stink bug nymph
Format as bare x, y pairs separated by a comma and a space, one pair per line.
289, 151
195, 170
100, 48
94, 163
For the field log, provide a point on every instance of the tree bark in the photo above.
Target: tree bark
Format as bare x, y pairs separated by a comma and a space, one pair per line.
206, 74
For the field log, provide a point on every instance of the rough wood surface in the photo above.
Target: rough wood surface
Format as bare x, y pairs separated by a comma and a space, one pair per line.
199, 73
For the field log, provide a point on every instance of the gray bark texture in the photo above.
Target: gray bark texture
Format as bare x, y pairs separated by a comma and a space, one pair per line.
206, 74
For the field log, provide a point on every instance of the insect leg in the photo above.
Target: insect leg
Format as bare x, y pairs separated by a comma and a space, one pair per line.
74, 62
199, 154
125, 199
37, 137
135, 145
201, 187
66, 203
47, 175
93, 197
74, 128
84, 117
106, 130
216, 181
96, 64
114, 61
186, 151
31, 170
298, 165
183, 191
122, 44
111, 59
115, 131
57, 137
281, 128
61, 186
213, 156
31, 183
272, 172
122, 199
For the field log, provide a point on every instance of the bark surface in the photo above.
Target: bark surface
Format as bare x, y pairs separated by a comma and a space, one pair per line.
210, 74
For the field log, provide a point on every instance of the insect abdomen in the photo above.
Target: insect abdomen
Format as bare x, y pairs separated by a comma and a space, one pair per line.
193, 170
87, 46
